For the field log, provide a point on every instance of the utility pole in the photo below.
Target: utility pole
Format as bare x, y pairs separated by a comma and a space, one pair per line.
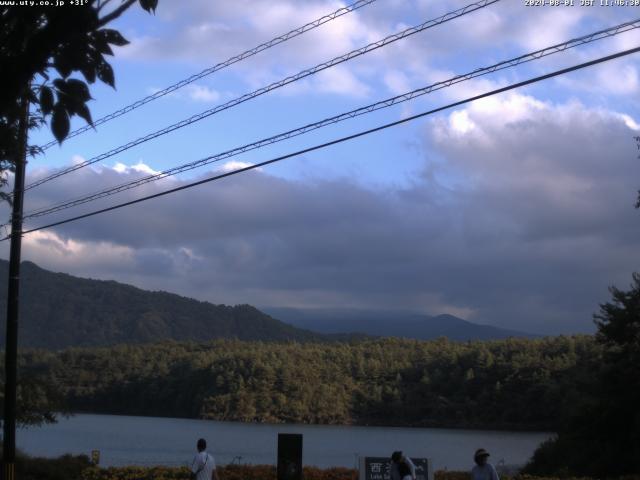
13, 296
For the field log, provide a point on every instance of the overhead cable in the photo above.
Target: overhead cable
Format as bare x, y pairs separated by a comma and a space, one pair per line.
585, 39
261, 91
340, 140
208, 71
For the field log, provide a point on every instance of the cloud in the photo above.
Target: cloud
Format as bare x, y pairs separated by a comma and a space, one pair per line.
619, 79
397, 82
138, 168
194, 92
524, 222
48, 248
549, 182
202, 33
558, 25
201, 93
227, 29
521, 215
235, 165
341, 81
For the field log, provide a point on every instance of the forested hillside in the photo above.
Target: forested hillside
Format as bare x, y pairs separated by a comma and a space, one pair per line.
492, 384
58, 310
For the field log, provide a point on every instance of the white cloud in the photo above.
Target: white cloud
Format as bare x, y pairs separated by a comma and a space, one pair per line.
550, 27
629, 121
235, 165
205, 33
529, 202
139, 167
541, 215
460, 123
618, 79
397, 82
341, 81
77, 159
67, 254
193, 92
202, 93
554, 155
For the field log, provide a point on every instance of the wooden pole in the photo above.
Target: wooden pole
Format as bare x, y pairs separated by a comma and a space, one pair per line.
13, 296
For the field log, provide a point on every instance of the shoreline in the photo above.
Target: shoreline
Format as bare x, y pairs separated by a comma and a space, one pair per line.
505, 428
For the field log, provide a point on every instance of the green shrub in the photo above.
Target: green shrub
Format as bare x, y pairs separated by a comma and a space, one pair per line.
66, 467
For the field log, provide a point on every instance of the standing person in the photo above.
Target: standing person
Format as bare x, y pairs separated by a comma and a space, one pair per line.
203, 466
402, 468
483, 470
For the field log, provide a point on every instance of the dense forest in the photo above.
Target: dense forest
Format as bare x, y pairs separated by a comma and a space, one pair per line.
515, 383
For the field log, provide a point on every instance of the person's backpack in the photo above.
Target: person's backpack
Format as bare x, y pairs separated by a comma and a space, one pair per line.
404, 469
192, 475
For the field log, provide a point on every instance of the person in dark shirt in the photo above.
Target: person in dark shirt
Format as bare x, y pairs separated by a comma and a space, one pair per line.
402, 467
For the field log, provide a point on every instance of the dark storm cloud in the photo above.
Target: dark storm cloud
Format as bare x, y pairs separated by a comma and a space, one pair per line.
524, 223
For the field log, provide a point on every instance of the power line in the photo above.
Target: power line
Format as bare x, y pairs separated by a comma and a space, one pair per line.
342, 139
261, 91
208, 71
592, 37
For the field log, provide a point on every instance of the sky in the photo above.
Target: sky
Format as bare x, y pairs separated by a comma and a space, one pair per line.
516, 210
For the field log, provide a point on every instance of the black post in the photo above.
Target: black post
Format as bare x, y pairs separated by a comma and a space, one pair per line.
289, 456
11, 349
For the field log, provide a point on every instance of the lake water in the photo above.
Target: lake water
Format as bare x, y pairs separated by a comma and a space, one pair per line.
125, 440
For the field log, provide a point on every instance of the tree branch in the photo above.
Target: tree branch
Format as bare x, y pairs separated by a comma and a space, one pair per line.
116, 13
102, 4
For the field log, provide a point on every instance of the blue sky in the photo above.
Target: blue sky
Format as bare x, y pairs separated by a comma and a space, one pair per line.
515, 211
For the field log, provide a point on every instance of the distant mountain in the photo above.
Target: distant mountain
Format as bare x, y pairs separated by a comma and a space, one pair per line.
390, 324
58, 310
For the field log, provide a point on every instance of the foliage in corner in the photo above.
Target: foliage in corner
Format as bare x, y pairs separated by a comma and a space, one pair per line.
41, 49
603, 438
40, 399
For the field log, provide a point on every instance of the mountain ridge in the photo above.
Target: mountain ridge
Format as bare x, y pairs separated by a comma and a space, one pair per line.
391, 323
58, 310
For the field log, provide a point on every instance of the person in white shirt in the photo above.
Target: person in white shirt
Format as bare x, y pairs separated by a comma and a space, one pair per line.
204, 465
483, 470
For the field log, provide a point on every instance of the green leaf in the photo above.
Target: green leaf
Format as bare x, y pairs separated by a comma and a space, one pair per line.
78, 89
60, 123
63, 65
46, 100
89, 73
102, 45
83, 112
113, 36
59, 84
105, 73
149, 5
88, 66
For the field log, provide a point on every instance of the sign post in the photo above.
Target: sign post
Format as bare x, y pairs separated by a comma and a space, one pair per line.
379, 468
289, 456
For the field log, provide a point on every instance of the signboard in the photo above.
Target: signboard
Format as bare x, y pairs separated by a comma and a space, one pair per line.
379, 468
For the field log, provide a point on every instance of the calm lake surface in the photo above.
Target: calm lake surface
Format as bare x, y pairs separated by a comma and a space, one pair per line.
124, 440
